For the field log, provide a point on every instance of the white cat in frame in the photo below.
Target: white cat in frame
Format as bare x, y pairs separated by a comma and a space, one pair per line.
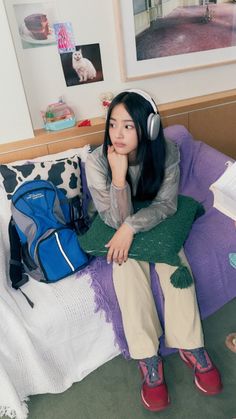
83, 66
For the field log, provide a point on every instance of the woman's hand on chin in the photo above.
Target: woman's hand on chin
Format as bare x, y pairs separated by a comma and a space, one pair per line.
119, 166
120, 244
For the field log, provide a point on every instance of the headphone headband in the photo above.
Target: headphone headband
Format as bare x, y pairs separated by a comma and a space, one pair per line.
145, 95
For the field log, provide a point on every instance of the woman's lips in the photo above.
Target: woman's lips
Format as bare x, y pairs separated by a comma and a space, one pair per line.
119, 145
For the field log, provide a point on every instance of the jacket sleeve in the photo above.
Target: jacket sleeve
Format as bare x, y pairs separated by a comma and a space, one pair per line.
164, 204
113, 204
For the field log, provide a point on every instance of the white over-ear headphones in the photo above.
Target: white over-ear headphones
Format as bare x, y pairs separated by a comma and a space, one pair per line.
153, 121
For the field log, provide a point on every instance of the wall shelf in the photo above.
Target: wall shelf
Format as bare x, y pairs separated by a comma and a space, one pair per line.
45, 142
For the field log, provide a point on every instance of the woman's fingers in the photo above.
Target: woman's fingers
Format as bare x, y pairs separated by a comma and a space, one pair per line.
120, 258
110, 149
112, 255
126, 252
117, 255
109, 255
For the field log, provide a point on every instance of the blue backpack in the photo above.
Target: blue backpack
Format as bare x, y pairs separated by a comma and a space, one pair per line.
43, 224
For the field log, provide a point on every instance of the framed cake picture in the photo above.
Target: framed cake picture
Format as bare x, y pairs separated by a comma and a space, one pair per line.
35, 23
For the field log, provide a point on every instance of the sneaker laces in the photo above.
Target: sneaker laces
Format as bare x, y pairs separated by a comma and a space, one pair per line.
200, 356
152, 369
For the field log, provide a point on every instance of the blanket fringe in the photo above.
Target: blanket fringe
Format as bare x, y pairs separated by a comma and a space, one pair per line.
12, 413
100, 302
105, 302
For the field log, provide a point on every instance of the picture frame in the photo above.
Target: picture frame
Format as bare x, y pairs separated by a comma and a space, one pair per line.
85, 70
35, 21
134, 69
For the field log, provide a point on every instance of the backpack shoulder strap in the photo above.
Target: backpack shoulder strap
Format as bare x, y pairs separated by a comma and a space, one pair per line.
79, 222
17, 276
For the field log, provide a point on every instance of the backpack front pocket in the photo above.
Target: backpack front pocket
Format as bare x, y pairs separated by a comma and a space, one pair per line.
60, 254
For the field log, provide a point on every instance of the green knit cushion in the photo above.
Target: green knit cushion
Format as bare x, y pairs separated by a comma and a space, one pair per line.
160, 244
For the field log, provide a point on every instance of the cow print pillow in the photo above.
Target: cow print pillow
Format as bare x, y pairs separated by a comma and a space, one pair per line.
63, 173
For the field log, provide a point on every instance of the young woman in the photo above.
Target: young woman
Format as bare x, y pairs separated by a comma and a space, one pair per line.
136, 162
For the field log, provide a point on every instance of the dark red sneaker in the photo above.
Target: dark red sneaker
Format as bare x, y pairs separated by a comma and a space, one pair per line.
154, 392
206, 376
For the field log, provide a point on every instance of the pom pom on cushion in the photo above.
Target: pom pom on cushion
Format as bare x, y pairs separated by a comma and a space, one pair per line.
181, 278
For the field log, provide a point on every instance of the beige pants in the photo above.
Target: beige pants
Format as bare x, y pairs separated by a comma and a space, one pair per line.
140, 319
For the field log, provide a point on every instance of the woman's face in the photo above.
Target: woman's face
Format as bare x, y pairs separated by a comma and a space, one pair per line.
122, 132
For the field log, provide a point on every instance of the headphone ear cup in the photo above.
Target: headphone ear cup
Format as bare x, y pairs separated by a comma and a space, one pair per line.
153, 126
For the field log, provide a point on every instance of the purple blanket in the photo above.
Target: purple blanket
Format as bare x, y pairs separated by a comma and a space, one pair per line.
105, 299
211, 240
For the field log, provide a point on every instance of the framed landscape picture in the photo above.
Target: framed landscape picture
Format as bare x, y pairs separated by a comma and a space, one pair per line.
158, 37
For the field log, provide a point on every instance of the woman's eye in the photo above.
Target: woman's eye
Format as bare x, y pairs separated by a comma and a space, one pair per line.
129, 126
111, 125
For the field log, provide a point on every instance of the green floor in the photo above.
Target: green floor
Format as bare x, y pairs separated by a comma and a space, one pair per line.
112, 391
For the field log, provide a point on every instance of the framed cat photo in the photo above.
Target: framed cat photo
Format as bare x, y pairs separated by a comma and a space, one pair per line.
84, 65
158, 37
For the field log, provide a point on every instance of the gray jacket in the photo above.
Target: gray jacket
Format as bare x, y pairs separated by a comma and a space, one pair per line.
115, 205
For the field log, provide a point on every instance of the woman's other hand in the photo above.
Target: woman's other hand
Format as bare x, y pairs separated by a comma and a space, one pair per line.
120, 244
119, 166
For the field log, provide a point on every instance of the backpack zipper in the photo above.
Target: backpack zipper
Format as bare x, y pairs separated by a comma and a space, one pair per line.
63, 253
36, 254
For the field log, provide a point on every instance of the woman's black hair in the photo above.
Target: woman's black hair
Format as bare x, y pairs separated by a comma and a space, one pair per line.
151, 154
